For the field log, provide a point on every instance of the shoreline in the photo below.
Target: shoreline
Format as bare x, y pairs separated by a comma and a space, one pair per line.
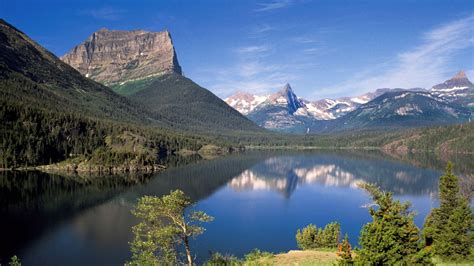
62, 167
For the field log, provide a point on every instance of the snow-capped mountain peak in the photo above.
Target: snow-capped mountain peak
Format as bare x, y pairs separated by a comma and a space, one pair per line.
458, 82
458, 89
287, 97
245, 102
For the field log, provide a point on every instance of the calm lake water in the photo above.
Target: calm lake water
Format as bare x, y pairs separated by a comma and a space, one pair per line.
258, 199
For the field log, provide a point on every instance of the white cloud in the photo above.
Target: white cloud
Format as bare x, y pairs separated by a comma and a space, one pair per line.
312, 50
262, 29
253, 49
272, 5
421, 66
304, 40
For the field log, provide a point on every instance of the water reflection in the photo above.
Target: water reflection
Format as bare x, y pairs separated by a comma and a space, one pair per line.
34, 202
285, 173
258, 199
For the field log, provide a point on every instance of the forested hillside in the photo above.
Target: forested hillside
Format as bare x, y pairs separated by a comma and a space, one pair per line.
32, 136
455, 139
50, 113
183, 105
31, 74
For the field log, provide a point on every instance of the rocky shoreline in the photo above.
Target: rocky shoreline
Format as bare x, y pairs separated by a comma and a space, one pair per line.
92, 169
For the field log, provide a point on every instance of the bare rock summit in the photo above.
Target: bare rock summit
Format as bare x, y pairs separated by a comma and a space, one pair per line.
116, 56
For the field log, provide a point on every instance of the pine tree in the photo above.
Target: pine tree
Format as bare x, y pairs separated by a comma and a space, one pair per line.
345, 252
448, 230
392, 237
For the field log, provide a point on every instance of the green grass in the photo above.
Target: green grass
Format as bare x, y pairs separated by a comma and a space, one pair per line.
132, 87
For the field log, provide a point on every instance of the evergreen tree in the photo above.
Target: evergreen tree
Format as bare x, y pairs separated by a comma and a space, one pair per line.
345, 252
312, 237
392, 237
448, 230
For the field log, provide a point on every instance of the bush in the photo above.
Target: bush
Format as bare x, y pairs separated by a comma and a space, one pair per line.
219, 260
256, 255
344, 251
312, 237
15, 261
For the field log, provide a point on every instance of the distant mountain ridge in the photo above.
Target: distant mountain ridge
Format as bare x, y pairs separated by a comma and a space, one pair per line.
459, 89
285, 111
324, 109
453, 98
399, 109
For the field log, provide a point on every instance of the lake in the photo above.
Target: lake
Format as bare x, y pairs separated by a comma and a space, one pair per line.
258, 199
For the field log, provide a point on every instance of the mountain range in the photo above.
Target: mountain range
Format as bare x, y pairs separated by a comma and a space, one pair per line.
143, 66
52, 112
446, 103
120, 100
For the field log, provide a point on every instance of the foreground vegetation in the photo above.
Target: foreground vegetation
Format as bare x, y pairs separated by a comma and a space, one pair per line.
391, 238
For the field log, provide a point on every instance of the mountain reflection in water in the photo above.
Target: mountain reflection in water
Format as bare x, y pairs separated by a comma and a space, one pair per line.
285, 173
258, 200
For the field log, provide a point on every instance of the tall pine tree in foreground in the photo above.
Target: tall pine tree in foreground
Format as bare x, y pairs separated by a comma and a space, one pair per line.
392, 237
448, 230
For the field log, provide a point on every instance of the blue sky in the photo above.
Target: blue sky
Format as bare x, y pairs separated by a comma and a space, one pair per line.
322, 48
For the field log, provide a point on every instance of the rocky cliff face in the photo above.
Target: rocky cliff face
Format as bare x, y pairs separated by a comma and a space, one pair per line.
458, 82
459, 89
115, 56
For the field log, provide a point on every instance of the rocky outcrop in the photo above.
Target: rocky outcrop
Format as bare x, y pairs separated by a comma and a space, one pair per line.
116, 56
459, 81
459, 89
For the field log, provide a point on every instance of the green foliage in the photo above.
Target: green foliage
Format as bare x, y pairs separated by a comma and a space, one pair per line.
30, 136
218, 259
454, 138
449, 229
345, 252
312, 237
164, 226
132, 87
392, 237
255, 255
15, 261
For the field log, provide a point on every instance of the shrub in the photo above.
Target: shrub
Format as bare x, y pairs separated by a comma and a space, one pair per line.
218, 259
312, 237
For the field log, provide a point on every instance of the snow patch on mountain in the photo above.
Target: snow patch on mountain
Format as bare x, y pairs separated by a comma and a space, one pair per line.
409, 109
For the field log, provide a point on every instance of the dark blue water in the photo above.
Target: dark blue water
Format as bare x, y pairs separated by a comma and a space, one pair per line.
258, 200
